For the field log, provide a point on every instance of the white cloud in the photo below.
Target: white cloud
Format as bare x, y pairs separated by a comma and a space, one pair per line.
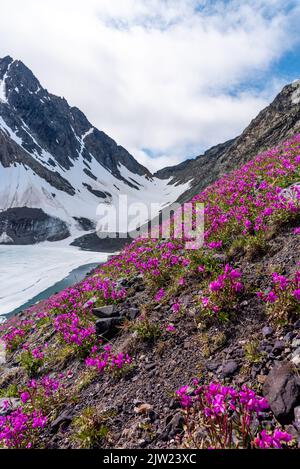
154, 74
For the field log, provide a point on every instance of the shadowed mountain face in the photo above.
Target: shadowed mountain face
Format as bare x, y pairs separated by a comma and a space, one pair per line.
275, 123
51, 129
53, 159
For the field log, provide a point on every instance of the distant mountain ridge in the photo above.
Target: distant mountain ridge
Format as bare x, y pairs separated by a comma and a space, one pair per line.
277, 122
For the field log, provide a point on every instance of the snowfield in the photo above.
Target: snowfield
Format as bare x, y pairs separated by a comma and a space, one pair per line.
26, 271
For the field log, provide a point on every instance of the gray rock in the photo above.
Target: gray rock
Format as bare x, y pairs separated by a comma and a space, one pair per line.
291, 430
132, 313
149, 366
296, 357
267, 348
282, 391
174, 426
279, 346
122, 282
212, 365
289, 336
229, 368
105, 312
107, 327
297, 417
13, 404
296, 343
65, 418
267, 331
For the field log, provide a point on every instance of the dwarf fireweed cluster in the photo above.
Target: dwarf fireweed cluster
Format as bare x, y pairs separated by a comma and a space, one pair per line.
45, 394
75, 330
93, 291
32, 359
249, 201
15, 335
20, 430
275, 440
105, 360
231, 418
221, 294
283, 300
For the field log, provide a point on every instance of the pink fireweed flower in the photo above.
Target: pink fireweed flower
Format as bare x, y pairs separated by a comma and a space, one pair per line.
271, 297
185, 399
38, 354
280, 280
205, 301
159, 295
216, 285
171, 328
19, 428
296, 294
265, 440
25, 396
107, 360
176, 307
215, 245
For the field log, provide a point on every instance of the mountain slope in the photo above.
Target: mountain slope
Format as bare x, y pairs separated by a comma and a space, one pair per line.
52, 158
162, 326
280, 120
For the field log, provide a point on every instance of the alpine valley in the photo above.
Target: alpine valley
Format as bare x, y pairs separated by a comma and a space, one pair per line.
160, 346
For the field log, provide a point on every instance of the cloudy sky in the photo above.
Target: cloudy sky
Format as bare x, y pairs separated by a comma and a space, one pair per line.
165, 78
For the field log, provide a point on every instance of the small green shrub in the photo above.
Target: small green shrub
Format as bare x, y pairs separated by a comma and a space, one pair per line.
89, 428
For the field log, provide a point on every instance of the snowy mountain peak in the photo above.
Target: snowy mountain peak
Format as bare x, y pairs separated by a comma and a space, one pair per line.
52, 158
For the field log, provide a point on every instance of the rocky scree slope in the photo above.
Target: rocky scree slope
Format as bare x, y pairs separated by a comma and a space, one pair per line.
165, 347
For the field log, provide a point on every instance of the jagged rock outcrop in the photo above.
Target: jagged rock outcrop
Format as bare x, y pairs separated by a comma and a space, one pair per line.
29, 226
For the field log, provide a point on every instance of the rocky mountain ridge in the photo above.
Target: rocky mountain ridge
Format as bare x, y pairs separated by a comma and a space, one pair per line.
275, 123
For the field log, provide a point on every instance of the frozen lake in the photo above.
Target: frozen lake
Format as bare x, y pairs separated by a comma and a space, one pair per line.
26, 271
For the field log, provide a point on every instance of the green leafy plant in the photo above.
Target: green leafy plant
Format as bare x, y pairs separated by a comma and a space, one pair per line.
89, 428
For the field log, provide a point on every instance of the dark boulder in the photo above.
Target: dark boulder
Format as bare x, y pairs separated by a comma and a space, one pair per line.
282, 391
174, 426
64, 419
107, 327
132, 313
105, 312
229, 369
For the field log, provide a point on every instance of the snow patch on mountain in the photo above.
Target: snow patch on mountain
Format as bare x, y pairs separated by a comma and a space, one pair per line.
296, 94
5, 239
10, 132
3, 97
